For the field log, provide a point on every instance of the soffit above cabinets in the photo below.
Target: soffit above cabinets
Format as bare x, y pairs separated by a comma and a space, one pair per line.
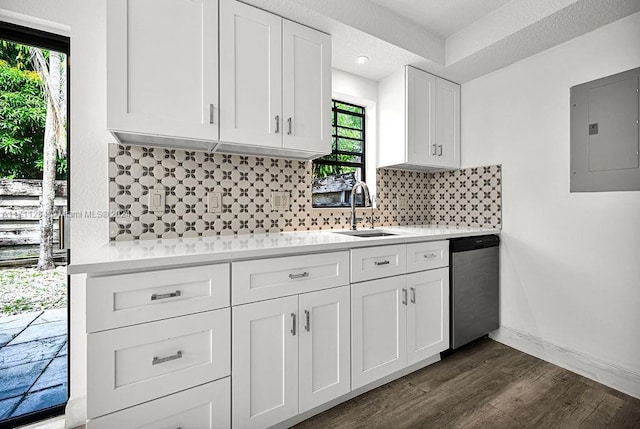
459, 40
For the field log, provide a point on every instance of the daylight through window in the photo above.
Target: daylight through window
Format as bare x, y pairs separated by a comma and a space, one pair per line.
335, 174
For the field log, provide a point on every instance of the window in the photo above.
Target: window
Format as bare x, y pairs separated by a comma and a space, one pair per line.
335, 174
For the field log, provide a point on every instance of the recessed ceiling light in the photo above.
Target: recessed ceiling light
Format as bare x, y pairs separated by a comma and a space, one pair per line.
362, 59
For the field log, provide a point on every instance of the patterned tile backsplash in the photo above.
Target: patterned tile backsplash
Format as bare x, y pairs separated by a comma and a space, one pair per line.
470, 197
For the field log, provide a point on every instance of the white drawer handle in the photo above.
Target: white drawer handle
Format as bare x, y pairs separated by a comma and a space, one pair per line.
157, 360
299, 276
430, 255
156, 296
386, 262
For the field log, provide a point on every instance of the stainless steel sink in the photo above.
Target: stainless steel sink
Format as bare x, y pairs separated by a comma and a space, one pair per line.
365, 233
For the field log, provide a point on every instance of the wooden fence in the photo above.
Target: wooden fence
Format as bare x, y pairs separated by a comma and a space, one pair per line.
20, 213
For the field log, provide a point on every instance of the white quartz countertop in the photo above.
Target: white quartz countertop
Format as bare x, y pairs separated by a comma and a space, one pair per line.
136, 255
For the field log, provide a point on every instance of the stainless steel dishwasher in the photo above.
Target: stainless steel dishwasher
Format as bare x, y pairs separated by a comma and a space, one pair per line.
475, 287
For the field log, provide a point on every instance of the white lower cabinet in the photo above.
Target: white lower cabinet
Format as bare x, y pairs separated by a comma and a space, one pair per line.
427, 314
289, 355
202, 407
324, 368
265, 362
378, 329
396, 322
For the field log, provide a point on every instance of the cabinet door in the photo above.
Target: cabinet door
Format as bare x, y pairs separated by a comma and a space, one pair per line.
324, 346
162, 67
420, 116
306, 81
265, 362
447, 123
250, 75
427, 314
378, 329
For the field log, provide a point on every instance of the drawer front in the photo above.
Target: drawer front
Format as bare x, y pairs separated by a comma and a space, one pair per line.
376, 262
129, 299
203, 407
128, 366
271, 278
427, 256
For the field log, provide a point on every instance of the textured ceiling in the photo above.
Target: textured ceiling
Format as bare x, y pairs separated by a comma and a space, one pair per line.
443, 17
485, 38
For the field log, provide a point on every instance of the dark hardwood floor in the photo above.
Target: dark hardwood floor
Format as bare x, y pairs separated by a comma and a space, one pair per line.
486, 385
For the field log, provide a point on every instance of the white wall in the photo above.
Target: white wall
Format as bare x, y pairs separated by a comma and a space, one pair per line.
85, 19
570, 273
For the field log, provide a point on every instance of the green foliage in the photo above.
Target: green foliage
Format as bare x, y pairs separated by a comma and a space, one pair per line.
348, 133
23, 111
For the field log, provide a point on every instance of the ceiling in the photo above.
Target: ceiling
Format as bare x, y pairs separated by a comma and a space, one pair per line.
459, 40
443, 17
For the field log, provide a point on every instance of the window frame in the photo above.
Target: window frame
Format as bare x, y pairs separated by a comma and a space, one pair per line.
362, 165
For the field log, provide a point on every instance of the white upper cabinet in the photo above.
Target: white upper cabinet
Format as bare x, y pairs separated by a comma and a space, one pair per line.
162, 72
419, 121
306, 83
275, 84
447, 123
246, 81
250, 75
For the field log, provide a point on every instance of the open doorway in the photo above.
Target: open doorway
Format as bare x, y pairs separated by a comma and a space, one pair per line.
34, 292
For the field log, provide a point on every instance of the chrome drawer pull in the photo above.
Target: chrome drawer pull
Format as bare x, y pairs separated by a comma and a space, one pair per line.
211, 109
413, 295
156, 296
382, 262
157, 360
299, 276
277, 118
404, 296
430, 255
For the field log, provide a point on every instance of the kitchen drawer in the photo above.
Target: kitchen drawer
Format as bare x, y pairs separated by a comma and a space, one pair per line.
427, 256
272, 278
203, 407
376, 262
129, 299
128, 366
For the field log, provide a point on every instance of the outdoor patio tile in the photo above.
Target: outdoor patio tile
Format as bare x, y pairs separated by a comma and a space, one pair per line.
42, 399
18, 379
55, 374
8, 335
54, 315
63, 350
21, 353
44, 330
7, 405
18, 320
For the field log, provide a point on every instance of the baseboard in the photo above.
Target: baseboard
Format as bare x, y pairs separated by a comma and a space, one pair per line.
596, 369
76, 412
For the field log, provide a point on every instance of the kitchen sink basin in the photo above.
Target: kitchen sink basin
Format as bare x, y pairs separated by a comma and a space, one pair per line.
365, 234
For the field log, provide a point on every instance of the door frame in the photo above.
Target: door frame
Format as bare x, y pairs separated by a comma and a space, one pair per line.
55, 42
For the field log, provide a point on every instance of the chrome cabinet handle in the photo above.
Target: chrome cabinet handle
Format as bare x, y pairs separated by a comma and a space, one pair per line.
307, 315
413, 295
289, 124
386, 262
404, 296
439, 150
293, 324
158, 360
211, 109
430, 255
156, 296
299, 276
434, 150
277, 124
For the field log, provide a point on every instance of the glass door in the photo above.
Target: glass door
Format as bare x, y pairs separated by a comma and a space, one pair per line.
33, 195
